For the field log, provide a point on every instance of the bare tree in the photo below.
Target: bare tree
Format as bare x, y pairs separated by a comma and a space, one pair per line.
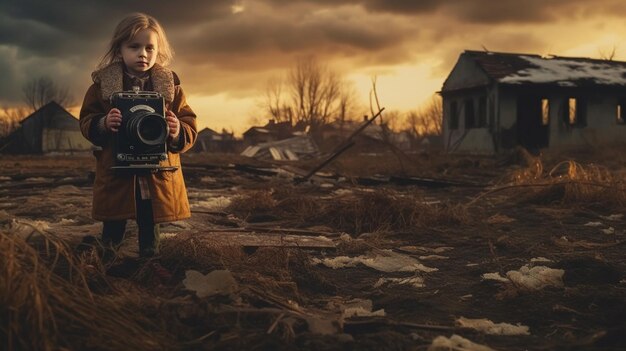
40, 91
10, 119
427, 120
275, 105
606, 55
312, 93
347, 103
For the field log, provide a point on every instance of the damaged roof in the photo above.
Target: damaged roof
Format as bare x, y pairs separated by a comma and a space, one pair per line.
510, 68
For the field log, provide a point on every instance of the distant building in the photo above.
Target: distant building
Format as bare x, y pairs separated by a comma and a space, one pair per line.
211, 141
272, 131
373, 135
47, 130
496, 101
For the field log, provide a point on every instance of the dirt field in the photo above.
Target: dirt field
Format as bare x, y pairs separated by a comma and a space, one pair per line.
378, 252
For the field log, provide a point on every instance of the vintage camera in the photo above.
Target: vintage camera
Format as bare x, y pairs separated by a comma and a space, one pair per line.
141, 141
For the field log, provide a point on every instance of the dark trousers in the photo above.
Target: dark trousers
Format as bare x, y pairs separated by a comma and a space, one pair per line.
113, 231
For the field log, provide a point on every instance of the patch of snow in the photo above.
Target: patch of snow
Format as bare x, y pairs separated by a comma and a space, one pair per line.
565, 72
608, 231
594, 224
494, 276
389, 262
65, 221
416, 282
340, 192
218, 282
486, 326
456, 343
540, 259
4, 178
38, 179
208, 179
433, 257
536, 278
212, 204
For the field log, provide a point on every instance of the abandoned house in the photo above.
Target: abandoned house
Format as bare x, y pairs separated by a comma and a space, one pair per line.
50, 129
496, 101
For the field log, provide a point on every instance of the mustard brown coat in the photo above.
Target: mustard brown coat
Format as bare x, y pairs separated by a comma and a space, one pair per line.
114, 194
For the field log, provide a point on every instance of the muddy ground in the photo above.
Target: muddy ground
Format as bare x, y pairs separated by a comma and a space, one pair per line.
378, 252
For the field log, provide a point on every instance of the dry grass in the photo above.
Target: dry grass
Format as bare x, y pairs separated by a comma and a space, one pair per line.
569, 183
43, 310
380, 210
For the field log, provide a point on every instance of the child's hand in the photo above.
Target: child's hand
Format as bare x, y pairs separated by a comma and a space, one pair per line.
113, 120
173, 123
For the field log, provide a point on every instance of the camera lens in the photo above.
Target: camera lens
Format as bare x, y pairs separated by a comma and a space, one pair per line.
147, 127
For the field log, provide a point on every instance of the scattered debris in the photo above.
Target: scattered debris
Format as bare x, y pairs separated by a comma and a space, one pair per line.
456, 343
218, 282
540, 259
486, 326
360, 308
536, 278
613, 217
500, 219
594, 224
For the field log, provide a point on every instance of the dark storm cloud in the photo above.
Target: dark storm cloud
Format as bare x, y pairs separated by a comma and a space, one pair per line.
261, 30
473, 11
65, 38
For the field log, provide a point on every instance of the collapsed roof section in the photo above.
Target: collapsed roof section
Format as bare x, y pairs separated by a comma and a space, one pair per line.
292, 149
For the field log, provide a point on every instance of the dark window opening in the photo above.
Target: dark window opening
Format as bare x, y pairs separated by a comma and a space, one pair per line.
470, 114
482, 112
454, 116
492, 112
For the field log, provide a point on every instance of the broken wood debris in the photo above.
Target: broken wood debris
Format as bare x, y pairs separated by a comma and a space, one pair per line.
341, 148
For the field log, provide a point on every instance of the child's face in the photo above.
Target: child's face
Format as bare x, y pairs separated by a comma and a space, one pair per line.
141, 51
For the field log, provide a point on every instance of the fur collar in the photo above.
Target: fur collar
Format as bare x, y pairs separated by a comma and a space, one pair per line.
111, 77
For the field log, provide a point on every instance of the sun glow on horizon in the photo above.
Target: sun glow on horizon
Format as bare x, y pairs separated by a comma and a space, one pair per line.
401, 87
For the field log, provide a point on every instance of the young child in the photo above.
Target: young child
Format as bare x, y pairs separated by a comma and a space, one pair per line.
136, 59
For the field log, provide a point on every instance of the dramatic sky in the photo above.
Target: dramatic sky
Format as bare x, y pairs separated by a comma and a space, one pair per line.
226, 50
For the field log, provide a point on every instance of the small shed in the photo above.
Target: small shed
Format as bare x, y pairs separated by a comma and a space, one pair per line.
496, 101
49, 129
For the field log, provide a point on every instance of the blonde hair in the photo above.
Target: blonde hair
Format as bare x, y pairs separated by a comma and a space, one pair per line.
127, 29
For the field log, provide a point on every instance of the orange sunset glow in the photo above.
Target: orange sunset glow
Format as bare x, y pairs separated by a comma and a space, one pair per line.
226, 51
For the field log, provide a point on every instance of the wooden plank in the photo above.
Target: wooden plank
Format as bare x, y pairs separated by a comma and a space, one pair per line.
263, 239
